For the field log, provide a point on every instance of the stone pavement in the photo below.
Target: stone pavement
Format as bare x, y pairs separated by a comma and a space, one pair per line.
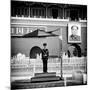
27, 84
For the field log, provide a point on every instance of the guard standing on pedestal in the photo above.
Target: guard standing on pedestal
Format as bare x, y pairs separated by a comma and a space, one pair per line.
45, 55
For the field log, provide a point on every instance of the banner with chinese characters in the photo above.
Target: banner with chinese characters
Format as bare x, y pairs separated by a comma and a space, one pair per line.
20, 31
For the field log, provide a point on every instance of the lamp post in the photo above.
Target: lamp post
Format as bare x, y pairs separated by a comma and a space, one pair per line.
60, 54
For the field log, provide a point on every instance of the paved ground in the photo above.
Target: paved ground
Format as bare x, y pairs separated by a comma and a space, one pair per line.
27, 84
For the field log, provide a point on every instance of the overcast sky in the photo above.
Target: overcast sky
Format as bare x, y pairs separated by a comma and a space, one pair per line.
82, 2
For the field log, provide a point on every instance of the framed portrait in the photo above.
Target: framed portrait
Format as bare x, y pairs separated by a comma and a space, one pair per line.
74, 33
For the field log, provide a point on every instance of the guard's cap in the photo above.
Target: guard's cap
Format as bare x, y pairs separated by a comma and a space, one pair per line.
44, 44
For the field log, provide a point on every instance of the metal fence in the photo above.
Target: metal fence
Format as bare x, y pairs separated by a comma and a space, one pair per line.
24, 67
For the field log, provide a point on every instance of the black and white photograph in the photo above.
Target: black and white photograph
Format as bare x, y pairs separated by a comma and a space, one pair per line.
48, 44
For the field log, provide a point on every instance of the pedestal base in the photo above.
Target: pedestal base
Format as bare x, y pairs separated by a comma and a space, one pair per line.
45, 77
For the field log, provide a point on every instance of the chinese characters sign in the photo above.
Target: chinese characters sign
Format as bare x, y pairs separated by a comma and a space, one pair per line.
20, 31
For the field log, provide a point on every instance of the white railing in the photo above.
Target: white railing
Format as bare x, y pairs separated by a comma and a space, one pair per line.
34, 18
49, 19
21, 66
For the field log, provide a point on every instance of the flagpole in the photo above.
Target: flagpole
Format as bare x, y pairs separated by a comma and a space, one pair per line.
60, 55
61, 62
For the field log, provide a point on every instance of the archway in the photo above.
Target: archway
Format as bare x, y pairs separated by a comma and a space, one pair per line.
74, 50
34, 51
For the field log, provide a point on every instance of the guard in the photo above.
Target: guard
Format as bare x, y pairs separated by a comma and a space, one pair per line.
45, 55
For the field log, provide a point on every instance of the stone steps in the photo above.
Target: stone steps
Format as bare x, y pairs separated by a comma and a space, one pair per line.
43, 77
45, 74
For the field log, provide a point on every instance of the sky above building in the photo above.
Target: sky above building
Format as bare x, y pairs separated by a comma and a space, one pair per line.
81, 2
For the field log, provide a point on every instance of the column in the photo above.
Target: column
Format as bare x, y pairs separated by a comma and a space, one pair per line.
29, 12
46, 12
12, 30
63, 13
16, 30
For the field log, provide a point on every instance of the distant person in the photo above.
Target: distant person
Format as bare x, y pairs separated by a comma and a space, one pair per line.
45, 55
74, 36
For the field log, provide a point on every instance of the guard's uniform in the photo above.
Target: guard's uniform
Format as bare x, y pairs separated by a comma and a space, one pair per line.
45, 55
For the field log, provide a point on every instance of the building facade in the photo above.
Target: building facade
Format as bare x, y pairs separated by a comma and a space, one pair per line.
28, 16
